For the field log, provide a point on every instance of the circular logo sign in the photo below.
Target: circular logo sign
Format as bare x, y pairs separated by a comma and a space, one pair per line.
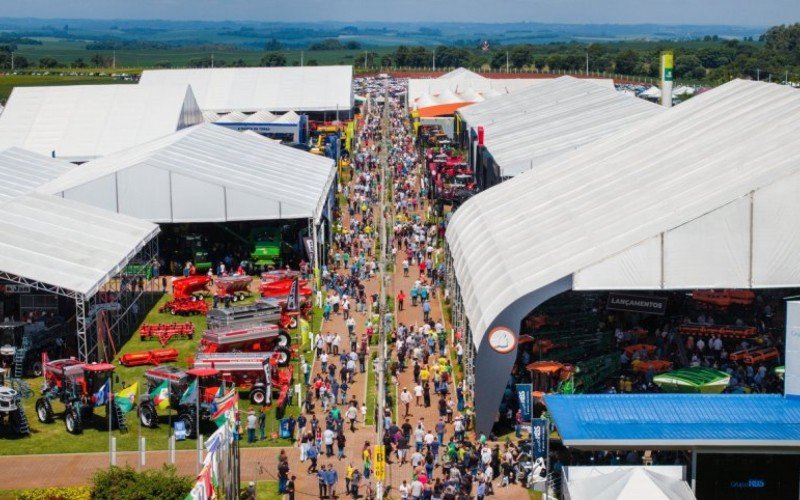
502, 339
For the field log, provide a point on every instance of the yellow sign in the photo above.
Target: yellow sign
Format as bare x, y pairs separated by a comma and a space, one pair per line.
667, 65
380, 462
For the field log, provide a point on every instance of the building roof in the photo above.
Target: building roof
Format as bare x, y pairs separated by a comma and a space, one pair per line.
82, 122
556, 118
205, 173
67, 244
663, 204
22, 171
303, 89
647, 421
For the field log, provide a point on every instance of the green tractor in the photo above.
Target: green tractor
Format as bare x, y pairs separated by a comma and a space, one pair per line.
270, 249
196, 248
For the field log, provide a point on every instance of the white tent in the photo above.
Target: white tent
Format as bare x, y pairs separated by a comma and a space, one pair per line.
205, 173
22, 171
703, 195
288, 117
232, 117
557, 118
629, 483
81, 122
262, 116
210, 117
651, 93
66, 244
303, 89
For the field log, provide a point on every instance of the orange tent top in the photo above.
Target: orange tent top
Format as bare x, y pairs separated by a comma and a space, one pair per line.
545, 366
441, 109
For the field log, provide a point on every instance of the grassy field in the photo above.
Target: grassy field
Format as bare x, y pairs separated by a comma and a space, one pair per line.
53, 437
8, 82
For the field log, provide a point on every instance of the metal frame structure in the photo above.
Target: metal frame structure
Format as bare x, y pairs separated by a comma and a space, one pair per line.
86, 307
460, 323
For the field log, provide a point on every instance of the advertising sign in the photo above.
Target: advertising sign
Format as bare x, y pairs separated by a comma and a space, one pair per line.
380, 462
637, 303
525, 400
792, 375
540, 438
667, 64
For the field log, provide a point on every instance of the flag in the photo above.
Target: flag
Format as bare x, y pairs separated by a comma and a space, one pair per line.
225, 403
190, 394
127, 397
160, 396
213, 408
101, 397
293, 301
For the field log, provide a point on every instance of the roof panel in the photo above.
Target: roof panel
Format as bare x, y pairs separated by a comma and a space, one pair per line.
22, 171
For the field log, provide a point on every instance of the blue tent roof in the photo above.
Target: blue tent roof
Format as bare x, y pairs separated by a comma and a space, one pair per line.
675, 420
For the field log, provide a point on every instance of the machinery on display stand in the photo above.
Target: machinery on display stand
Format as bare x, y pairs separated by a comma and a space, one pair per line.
22, 344
260, 373
12, 412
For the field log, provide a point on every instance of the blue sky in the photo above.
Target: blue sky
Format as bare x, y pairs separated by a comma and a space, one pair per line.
741, 12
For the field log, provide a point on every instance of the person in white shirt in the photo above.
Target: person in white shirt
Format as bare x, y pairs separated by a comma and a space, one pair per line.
418, 393
405, 398
336, 341
403, 489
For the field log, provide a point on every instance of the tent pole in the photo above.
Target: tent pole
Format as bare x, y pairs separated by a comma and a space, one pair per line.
694, 471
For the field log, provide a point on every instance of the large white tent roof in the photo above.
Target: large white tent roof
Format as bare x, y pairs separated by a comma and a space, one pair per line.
205, 173
22, 171
558, 118
701, 196
66, 244
630, 483
303, 89
81, 122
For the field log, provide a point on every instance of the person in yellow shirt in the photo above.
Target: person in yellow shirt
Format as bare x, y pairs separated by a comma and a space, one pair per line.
349, 475
424, 374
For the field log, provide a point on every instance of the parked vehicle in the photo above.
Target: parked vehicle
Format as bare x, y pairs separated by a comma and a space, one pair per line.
11, 410
22, 344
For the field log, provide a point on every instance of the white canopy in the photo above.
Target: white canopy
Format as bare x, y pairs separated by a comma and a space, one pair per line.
232, 117
262, 116
651, 93
210, 117
288, 117
22, 171
81, 122
303, 89
556, 118
629, 483
66, 244
205, 173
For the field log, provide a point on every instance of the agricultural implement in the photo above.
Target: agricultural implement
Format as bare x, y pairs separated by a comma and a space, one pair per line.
233, 287
257, 373
278, 274
633, 349
724, 298
208, 383
153, 357
755, 355
77, 385
257, 338
263, 311
737, 332
279, 289
22, 344
11, 410
187, 296
657, 365
165, 332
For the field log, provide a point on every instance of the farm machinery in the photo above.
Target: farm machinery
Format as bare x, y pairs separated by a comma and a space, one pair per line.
22, 344
264, 374
80, 387
178, 381
196, 247
11, 409
233, 287
269, 248
188, 296
165, 332
255, 338
262, 311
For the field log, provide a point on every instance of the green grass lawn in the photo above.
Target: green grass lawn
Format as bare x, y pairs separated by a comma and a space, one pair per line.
53, 437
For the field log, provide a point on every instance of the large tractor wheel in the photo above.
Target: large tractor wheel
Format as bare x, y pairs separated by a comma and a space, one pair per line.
258, 396
284, 356
72, 420
44, 410
18, 421
284, 339
148, 415
188, 422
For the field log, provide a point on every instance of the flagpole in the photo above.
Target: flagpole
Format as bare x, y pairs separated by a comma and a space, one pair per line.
138, 406
110, 437
197, 420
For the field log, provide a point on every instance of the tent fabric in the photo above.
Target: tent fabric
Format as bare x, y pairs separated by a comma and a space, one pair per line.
651, 93
632, 483
67, 244
82, 122
440, 109
232, 117
559, 117
22, 171
210, 117
303, 89
584, 207
262, 116
288, 117
205, 173
654, 421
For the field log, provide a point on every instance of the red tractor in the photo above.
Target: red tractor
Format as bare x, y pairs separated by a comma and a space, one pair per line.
80, 387
256, 372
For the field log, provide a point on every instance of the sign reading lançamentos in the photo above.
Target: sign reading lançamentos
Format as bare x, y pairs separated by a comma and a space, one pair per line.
637, 303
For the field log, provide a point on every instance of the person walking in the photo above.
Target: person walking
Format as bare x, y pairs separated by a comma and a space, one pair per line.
312, 454
341, 440
405, 398
401, 297
252, 421
262, 422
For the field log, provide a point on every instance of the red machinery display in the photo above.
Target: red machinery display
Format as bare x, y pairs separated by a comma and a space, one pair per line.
188, 296
279, 289
724, 298
278, 274
656, 365
208, 385
755, 355
739, 332
256, 372
166, 331
152, 357
77, 385
233, 287
257, 338
648, 348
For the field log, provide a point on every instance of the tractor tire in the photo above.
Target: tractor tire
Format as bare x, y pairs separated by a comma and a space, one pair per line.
234, 298
148, 415
293, 322
15, 419
44, 410
285, 356
188, 422
36, 369
72, 421
258, 397
284, 339
87, 412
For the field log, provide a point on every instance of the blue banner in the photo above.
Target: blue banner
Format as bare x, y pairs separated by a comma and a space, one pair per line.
540, 437
525, 401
